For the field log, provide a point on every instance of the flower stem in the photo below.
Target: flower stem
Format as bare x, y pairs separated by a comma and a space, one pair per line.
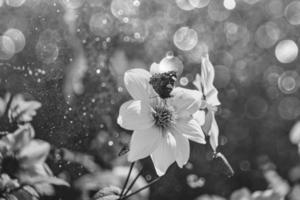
127, 178
139, 190
132, 183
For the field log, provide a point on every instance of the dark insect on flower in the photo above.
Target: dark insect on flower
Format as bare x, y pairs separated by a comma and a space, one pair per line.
163, 83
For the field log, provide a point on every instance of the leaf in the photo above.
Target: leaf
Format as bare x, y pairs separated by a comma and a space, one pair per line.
221, 165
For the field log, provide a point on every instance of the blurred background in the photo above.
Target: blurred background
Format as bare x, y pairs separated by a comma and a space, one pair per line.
71, 56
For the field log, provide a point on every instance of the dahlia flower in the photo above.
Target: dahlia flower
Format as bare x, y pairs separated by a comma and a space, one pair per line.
161, 126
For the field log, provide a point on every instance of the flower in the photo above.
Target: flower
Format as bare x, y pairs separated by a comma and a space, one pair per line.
161, 127
23, 158
204, 83
17, 108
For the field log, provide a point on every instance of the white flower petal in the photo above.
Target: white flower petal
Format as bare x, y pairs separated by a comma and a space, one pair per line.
206, 127
199, 116
185, 101
135, 115
34, 153
137, 83
20, 138
207, 74
164, 155
214, 134
191, 129
154, 68
143, 143
182, 152
212, 97
197, 82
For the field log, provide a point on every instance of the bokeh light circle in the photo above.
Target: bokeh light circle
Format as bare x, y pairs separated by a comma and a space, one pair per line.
73, 4
288, 82
286, 51
217, 11
7, 48
124, 9
295, 133
289, 108
184, 81
222, 76
18, 38
185, 38
229, 4
267, 35
184, 5
15, 3
256, 107
101, 24
272, 74
47, 52
292, 13
199, 3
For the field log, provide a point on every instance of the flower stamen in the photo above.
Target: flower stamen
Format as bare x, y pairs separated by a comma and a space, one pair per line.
163, 117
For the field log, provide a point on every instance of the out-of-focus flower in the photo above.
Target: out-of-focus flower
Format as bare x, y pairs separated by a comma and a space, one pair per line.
295, 193
21, 110
161, 127
241, 194
209, 197
266, 195
7, 184
295, 135
204, 83
23, 158
108, 183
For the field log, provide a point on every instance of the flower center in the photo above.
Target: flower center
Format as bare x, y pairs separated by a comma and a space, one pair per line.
163, 83
10, 165
163, 117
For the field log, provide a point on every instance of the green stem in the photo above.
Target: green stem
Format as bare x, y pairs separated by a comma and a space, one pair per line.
139, 190
127, 178
132, 183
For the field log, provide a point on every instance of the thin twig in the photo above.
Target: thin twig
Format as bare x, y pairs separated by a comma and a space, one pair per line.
139, 190
126, 181
133, 182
